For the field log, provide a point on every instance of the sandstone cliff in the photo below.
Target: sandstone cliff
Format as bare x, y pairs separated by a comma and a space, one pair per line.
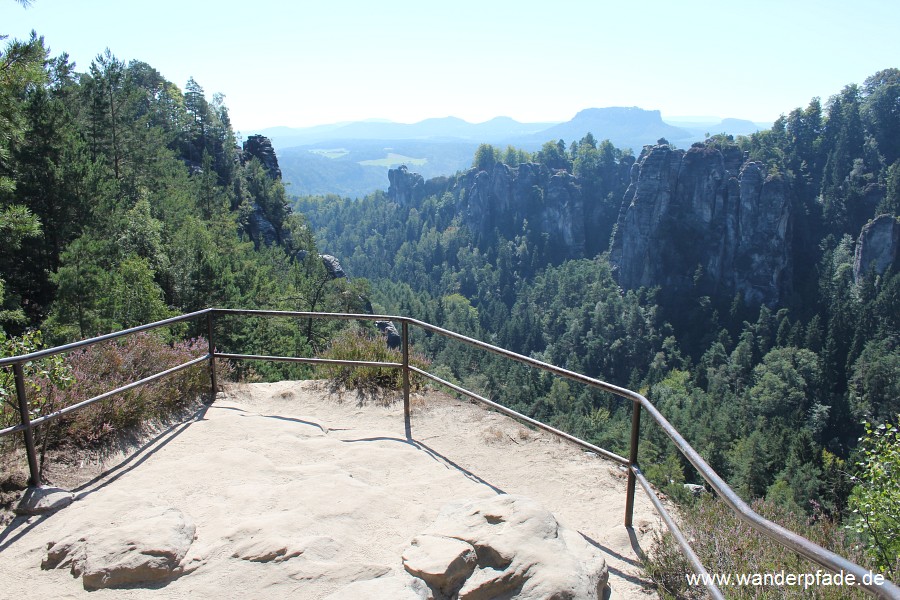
704, 220
504, 199
260, 147
528, 199
878, 246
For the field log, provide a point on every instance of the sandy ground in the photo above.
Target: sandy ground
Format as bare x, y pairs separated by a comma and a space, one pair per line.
290, 464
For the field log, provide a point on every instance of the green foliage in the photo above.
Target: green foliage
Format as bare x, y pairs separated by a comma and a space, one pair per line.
875, 501
59, 381
486, 156
43, 379
727, 545
359, 345
875, 383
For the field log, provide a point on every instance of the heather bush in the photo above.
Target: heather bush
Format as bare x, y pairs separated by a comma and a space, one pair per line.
57, 382
109, 365
727, 545
354, 343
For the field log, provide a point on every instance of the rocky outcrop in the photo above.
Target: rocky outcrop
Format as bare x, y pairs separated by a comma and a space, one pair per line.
704, 220
505, 547
405, 187
877, 247
259, 228
505, 198
392, 336
410, 188
333, 266
144, 547
260, 147
549, 205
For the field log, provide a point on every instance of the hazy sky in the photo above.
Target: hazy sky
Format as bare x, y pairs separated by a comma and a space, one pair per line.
300, 63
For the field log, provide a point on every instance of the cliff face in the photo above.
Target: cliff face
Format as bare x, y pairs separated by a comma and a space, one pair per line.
878, 246
507, 197
260, 147
704, 218
549, 203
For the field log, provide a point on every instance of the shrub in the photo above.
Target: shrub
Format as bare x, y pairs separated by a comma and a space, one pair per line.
109, 365
726, 545
354, 343
57, 382
875, 500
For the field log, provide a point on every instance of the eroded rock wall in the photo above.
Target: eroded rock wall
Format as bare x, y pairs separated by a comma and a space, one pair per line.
706, 220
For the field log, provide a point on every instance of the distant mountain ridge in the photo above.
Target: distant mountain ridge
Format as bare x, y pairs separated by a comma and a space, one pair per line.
352, 159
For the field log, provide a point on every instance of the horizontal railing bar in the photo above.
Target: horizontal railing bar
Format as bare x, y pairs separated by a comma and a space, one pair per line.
304, 315
682, 542
312, 361
100, 338
64, 411
519, 416
614, 389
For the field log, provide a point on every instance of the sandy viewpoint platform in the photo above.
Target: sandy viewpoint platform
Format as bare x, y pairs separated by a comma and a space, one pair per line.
337, 484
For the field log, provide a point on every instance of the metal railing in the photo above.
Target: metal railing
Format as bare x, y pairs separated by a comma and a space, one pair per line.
786, 538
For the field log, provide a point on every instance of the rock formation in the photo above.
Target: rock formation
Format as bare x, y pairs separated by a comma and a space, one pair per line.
504, 199
549, 203
260, 147
259, 228
877, 247
405, 187
333, 266
704, 220
505, 547
392, 336
145, 546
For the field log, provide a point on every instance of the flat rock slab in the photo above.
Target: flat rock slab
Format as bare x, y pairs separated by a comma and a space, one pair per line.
42, 500
393, 588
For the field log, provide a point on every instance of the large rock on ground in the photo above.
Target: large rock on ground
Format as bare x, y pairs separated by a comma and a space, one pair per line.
146, 546
520, 549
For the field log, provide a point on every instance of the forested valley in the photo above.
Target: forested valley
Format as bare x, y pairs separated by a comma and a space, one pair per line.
774, 394
125, 200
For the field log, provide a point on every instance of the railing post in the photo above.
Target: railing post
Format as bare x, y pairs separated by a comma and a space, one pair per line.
404, 328
632, 462
35, 479
212, 358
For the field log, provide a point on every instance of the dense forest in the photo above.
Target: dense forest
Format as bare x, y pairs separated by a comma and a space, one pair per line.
124, 200
774, 394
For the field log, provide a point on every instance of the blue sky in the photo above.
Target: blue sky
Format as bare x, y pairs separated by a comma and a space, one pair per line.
302, 62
